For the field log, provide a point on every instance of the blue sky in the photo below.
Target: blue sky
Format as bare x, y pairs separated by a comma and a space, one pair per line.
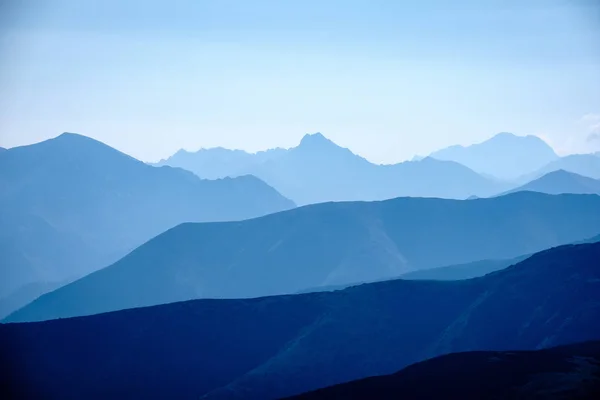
388, 79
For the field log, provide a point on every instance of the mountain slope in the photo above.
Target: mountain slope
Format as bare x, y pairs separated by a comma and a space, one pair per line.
279, 346
563, 372
504, 156
25, 295
318, 170
561, 181
464, 271
322, 245
455, 272
71, 204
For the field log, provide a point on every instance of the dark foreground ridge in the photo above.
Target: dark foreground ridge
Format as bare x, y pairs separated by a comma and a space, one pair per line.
566, 372
280, 346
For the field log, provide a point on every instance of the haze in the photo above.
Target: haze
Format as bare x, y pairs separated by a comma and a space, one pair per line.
387, 79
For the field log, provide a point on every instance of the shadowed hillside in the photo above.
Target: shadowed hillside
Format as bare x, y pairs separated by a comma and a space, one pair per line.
571, 372
279, 346
321, 245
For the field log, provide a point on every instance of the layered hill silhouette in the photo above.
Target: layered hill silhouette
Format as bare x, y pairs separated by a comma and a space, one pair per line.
561, 181
565, 372
72, 204
505, 156
321, 245
318, 170
581, 164
285, 345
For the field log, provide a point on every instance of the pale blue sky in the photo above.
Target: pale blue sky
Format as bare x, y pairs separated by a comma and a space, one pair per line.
388, 79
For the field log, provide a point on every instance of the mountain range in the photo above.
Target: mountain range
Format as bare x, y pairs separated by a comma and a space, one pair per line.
218, 162
320, 245
70, 205
273, 347
564, 372
318, 170
504, 156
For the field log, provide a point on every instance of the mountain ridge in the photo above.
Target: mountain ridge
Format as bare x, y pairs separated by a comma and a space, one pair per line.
74, 204
285, 345
321, 245
319, 170
560, 182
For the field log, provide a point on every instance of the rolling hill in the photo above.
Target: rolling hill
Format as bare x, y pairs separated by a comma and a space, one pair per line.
70, 205
318, 170
565, 372
322, 245
504, 156
280, 346
561, 181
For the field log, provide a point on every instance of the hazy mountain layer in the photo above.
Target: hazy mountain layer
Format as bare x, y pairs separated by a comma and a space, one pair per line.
504, 156
216, 163
318, 170
561, 181
322, 245
70, 205
279, 346
581, 164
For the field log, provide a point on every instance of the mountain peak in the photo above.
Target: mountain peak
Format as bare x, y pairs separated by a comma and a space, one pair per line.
313, 139
504, 135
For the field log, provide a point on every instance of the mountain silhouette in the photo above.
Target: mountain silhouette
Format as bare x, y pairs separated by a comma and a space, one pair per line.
218, 162
561, 181
504, 156
72, 204
564, 372
318, 170
280, 346
321, 245
582, 164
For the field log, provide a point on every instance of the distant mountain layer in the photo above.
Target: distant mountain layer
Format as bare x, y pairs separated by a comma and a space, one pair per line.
581, 164
322, 245
70, 205
280, 346
318, 170
504, 156
565, 372
561, 181
217, 163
